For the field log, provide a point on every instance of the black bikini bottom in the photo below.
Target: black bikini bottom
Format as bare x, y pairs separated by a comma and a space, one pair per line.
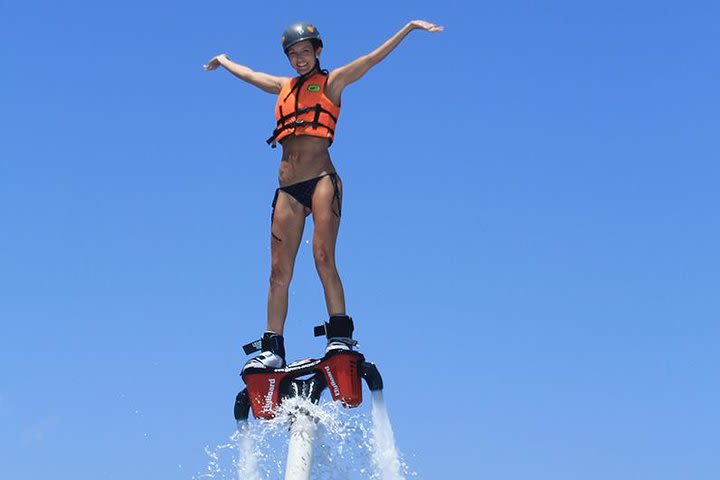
303, 192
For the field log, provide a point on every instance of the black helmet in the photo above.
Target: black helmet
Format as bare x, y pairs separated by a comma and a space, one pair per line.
299, 31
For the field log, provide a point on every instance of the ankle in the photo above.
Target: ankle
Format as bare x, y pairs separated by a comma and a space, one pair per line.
339, 326
273, 342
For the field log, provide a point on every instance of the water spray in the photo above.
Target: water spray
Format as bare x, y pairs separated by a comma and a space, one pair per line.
340, 372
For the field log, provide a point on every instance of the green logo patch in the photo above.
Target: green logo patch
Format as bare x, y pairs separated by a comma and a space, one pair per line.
313, 88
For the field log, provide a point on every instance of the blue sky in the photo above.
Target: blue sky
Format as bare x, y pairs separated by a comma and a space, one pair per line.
529, 239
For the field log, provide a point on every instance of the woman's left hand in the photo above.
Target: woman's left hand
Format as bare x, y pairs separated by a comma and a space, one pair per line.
423, 25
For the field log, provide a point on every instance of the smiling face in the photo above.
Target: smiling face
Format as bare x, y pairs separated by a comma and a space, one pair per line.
303, 56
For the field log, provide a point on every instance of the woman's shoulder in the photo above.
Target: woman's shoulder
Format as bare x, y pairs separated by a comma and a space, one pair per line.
285, 82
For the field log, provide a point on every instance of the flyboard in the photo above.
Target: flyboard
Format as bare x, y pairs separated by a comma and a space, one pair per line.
340, 372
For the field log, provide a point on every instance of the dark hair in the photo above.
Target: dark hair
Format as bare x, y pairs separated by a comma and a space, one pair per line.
317, 43
319, 68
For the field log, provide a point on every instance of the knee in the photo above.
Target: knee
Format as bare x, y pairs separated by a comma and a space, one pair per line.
324, 259
280, 275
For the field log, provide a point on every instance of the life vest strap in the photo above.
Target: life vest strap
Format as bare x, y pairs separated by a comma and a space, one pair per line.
298, 123
317, 108
282, 125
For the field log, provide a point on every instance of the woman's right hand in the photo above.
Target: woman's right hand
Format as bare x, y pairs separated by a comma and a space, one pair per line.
215, 62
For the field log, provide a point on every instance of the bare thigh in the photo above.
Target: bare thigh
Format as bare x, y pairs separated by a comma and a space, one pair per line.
286, 232
326, 210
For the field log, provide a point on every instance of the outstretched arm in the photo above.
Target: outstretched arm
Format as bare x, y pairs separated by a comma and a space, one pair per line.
263, 81
351, 72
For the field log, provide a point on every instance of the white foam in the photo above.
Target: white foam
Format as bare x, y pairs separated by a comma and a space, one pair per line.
348, 444
247, 464
384, 452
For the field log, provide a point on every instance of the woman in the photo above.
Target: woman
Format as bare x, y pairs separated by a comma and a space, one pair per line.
307, 110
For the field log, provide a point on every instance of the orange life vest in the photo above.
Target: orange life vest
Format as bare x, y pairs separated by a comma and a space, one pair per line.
303, 109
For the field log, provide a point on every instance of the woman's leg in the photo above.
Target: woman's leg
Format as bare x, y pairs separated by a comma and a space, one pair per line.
285, 234
326, 206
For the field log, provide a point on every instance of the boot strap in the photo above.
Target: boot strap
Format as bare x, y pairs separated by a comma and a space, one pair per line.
338, 326
253, 347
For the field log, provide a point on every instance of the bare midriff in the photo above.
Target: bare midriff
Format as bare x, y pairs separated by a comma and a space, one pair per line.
304, 157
